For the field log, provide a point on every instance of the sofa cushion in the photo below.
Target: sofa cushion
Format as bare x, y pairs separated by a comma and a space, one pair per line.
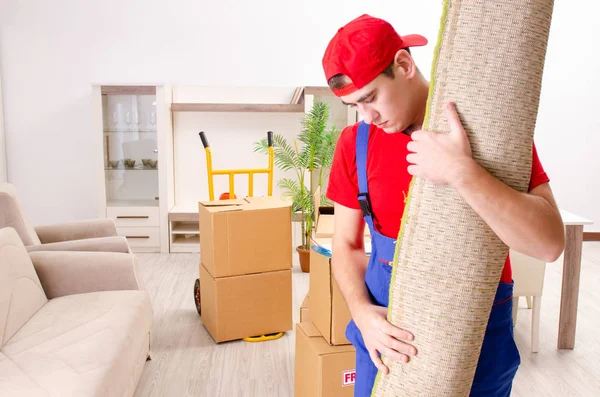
15, 382
80, 345
21, 293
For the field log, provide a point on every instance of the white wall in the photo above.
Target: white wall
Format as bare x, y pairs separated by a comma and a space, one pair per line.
231, 137
2, 141
52, 52
568, 128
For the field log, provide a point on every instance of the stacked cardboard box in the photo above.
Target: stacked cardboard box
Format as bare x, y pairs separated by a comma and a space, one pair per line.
322, 370
324, 217
325, 359
328, 308
304, 310
245, 267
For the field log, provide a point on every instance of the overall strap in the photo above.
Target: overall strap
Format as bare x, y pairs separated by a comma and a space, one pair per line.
362, 144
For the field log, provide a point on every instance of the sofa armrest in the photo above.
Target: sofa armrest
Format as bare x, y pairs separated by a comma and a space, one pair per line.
99, 244
66, 273
77, 230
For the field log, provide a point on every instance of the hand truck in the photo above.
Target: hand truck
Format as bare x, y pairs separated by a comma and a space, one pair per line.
211, 194
250, 172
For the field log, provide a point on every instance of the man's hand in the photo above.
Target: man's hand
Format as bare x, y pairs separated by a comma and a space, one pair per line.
527, 222
381, 336
439, 158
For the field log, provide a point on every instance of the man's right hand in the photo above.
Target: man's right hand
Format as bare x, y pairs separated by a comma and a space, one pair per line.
349, 264
381, 336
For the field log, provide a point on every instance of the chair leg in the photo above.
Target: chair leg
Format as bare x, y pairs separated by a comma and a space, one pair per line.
149, 356
528, 301
535, 324
514, 309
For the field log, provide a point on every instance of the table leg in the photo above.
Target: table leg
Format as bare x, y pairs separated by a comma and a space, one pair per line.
567, 322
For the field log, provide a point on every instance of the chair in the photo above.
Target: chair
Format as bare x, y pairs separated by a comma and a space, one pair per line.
71, 323
528, 276
86, 235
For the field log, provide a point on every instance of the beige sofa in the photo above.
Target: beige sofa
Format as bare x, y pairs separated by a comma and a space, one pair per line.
71, 323
86, 235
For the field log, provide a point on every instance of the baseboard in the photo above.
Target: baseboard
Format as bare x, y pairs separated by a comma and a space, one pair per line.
591, 236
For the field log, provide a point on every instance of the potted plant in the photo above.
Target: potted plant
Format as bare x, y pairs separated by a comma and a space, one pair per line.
311, 153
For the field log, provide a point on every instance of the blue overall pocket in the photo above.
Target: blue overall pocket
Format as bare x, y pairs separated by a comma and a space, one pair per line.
378, 278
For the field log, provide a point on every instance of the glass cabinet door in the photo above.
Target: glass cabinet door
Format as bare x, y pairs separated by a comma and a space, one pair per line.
130, 150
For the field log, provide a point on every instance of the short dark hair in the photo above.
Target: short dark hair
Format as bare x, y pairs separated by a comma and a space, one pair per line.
340, 80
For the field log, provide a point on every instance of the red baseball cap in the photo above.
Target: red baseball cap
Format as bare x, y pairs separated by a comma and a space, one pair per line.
362, 49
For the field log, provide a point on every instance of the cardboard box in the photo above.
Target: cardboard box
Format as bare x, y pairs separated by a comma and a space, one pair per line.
252, 235
324, 222
304, 311
324, 219
328, 309
240, 306
322, 370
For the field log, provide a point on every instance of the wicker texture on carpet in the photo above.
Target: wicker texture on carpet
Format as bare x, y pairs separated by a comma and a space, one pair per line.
489, 60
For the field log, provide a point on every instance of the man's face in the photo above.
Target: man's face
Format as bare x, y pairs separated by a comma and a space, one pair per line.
385, 102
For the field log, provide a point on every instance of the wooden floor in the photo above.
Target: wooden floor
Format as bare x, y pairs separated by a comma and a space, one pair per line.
186, 361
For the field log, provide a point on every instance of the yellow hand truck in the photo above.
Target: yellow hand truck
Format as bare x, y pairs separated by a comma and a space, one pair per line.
231, 195
250, 172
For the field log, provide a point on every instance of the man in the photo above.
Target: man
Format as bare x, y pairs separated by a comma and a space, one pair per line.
369, 66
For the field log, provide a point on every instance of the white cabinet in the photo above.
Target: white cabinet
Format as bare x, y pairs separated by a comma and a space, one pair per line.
184, 229
140, 225
135, 125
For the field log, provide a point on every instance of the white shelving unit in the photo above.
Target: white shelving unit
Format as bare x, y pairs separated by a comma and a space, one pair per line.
134, 123
184, 229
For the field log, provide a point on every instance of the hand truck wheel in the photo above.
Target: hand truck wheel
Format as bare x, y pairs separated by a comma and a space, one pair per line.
197, 295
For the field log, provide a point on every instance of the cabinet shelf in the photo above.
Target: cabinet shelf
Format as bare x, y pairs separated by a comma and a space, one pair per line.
185, 228
182, 240
237, 107
128, 90
318, 91
130, 131
131, 169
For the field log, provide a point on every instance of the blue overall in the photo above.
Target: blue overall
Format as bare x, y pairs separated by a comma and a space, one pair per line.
499, 357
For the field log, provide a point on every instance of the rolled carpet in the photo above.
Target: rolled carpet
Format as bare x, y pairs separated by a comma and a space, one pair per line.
489, 60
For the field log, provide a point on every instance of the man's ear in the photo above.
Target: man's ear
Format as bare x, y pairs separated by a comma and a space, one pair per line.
405, 64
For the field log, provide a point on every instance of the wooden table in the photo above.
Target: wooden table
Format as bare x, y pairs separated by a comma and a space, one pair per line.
567, 322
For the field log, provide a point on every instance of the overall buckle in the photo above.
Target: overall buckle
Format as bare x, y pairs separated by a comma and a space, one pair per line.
365, 204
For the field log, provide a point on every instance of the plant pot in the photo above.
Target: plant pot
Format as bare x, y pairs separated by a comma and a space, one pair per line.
304, 256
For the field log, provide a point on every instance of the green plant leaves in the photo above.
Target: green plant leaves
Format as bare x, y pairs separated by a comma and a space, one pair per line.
285, 156
313, 149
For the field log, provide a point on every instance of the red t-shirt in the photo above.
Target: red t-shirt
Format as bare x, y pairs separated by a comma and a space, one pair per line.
388, 178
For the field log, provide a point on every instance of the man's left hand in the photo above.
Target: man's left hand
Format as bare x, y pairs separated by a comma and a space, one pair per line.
440, 158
